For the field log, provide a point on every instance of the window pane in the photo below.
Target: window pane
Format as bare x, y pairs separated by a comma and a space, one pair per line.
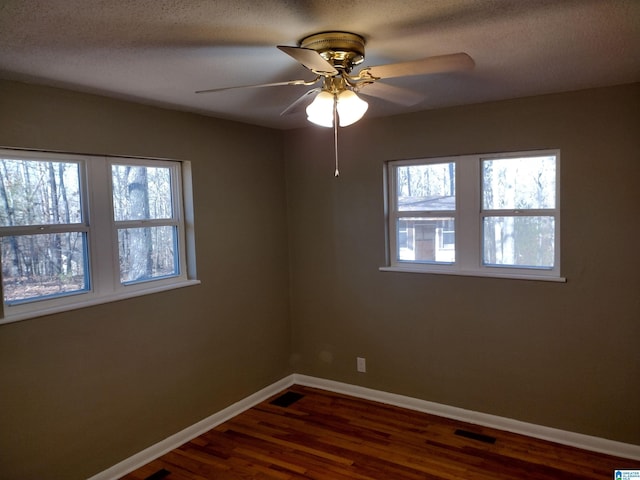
426, 240
519, 183
43, 266
33, 192
519, 241
141, 193
147, 253
426, 187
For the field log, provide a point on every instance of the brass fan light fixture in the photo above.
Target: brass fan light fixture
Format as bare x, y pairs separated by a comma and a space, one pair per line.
332, 57
337, 99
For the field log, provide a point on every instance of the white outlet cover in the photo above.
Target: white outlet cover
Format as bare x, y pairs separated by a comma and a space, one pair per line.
361, 364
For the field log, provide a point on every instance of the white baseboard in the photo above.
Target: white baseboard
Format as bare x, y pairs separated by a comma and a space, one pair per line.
578, 440
174, 441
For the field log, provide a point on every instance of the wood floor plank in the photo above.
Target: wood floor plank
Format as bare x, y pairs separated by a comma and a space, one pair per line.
329, 436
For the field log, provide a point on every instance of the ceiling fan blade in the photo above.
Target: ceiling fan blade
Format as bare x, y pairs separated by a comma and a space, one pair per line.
260, 85
310, 59
454, 62
295, 106
402, 96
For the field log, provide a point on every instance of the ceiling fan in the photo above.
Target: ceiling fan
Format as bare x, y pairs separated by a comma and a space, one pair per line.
332, 56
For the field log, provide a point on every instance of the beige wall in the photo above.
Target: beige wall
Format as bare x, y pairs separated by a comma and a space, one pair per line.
564, 355
84, 390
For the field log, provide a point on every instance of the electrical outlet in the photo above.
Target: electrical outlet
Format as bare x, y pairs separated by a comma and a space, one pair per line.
361, 364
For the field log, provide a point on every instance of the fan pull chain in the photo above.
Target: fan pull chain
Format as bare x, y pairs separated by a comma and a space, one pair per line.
335, 132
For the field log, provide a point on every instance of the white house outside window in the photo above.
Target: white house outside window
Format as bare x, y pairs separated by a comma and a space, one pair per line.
79, 230
484, 215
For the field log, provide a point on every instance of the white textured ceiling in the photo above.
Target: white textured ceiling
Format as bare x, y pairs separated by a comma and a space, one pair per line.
160, 51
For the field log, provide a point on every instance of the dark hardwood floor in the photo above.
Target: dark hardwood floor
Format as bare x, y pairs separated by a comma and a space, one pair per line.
328, 436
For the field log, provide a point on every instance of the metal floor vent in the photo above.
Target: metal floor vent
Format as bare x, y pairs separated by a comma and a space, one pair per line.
287, 399
475, 436
158, 475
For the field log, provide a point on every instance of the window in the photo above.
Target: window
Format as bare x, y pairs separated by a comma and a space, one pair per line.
484, 215
79, 230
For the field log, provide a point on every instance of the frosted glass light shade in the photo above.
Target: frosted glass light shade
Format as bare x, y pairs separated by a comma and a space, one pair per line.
320, 111
351, 108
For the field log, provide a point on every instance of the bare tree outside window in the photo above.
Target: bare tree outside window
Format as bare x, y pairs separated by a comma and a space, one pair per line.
44, 252
79, 230
520, 190
141, 204
494, 215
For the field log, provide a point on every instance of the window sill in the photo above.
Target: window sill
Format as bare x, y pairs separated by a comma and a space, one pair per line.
512, 276
95, 300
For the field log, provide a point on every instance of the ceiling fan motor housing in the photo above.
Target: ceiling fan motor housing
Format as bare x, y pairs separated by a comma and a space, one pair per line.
342, 49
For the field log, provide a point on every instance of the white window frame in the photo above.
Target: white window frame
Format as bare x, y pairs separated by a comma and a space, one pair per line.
101, 229
468, 216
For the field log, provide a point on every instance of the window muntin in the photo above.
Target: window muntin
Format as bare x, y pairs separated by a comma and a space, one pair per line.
43, 244
424, 212
518, 209
144, 213
79, 230
494, 215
